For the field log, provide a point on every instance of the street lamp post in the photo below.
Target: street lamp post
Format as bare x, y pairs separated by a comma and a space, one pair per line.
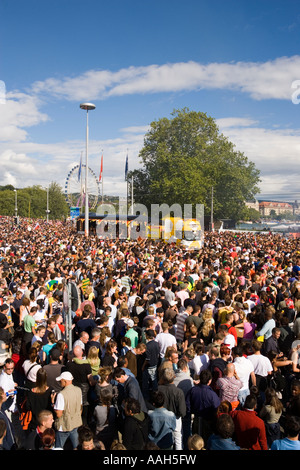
47, 210
16, 203
87, 107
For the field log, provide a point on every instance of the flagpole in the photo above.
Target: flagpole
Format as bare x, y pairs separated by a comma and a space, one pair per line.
81, 192
102, 178
132, 195
126, 178
87, 107
127, 196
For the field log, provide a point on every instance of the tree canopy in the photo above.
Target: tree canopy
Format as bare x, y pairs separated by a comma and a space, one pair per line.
186, 156
32, 202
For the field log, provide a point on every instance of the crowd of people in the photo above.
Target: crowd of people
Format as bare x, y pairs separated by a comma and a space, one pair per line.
167, 349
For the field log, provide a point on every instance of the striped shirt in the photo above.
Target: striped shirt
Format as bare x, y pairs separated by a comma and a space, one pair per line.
180, 322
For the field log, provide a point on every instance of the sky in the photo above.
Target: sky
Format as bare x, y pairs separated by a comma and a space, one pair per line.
137, 61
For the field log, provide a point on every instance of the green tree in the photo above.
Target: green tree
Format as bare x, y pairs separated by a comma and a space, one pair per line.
252, 214
32, 202
57, 203
186, 156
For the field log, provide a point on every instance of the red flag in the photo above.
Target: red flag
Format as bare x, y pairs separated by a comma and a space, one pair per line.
101, 169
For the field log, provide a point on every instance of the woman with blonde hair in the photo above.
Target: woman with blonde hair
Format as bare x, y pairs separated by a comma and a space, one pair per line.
207, 331
93, 359
195, 442
89, 292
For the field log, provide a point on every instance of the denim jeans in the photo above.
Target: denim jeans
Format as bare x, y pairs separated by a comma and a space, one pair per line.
62, 436
242, 396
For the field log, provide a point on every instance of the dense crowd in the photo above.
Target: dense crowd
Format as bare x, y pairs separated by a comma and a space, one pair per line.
167, 349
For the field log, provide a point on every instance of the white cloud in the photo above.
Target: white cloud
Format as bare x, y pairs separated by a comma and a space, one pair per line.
275, 152
229, 122
30, 163
261, 80
135, 130
19, 112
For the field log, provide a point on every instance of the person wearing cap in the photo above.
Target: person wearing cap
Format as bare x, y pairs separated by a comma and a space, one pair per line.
172, 311
131, 333
68, 409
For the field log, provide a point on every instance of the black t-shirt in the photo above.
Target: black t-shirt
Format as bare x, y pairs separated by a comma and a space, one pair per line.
108, 360
80, 372
152, 353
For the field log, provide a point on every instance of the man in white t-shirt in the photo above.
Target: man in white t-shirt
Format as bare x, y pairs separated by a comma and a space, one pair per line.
8, 384
262, 364
229, 340
245, 370
165, 339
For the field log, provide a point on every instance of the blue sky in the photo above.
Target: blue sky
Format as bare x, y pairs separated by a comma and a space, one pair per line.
137, 61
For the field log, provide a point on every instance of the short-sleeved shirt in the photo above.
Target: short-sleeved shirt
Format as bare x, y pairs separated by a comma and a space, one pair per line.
244, 368
285, 444
262, 364
53, 371
29, 323
133, 336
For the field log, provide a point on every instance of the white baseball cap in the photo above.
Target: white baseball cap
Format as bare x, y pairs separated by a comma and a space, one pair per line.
65, 376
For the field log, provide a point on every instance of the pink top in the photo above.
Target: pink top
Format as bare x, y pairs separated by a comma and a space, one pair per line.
249, 330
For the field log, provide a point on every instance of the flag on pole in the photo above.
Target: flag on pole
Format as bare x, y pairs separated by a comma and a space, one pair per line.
126, 167
101, 169
79, 169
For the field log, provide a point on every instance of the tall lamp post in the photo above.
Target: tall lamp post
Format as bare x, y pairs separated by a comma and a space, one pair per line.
16, 203
87, 107
47, 210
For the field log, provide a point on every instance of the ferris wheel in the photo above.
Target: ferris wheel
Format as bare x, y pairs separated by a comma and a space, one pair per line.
75, 187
